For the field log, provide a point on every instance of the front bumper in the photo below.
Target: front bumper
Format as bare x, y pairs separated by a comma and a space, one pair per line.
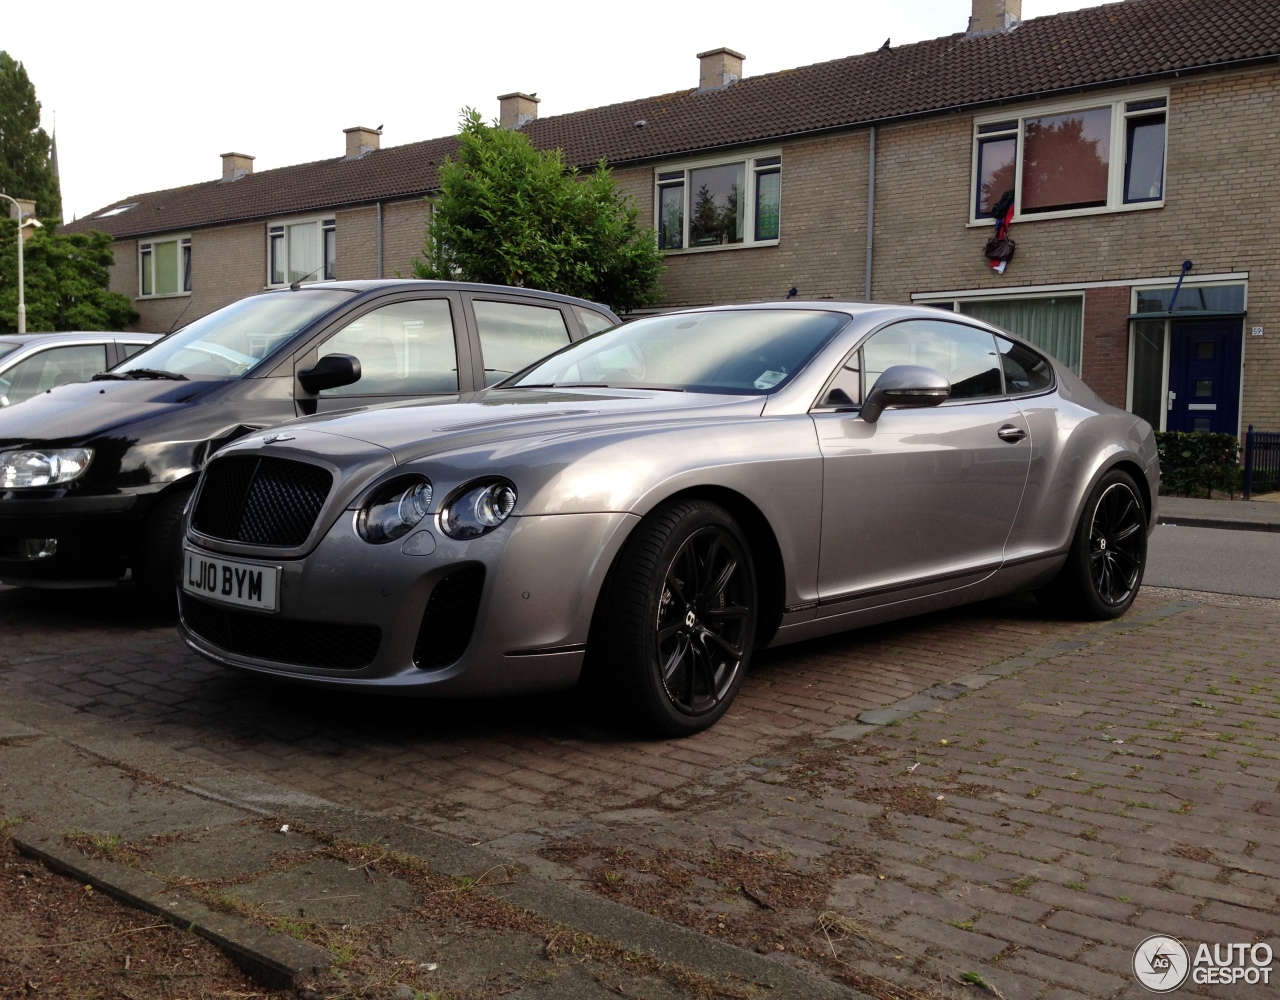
94, 534
542, 576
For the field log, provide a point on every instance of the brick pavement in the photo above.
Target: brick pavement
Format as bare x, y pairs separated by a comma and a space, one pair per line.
1120, 788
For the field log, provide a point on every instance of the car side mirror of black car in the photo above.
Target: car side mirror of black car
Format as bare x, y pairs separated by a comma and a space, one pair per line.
330, 372
905, 386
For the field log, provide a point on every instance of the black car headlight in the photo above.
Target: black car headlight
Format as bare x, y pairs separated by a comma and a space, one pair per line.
394, 509
33, 467
477, 508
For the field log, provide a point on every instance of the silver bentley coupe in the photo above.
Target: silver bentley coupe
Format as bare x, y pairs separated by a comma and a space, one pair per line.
639, 512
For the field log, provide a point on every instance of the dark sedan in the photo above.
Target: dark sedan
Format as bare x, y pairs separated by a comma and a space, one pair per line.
94, 476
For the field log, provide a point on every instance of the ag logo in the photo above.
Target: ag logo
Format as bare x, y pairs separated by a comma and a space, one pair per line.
1161, 963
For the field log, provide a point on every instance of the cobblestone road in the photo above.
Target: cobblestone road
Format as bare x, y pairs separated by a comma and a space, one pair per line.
1120, 781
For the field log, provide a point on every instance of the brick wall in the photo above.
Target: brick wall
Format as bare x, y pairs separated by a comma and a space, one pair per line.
404, 228
1105, 358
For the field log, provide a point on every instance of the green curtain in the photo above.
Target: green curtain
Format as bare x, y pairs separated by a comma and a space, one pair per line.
1055, 325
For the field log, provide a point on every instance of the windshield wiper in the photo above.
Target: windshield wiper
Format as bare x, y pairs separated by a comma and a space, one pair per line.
140, 373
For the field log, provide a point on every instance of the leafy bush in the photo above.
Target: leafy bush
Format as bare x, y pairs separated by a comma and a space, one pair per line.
1196, 464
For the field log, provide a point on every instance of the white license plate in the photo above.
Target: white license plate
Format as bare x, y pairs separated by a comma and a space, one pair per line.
250, 585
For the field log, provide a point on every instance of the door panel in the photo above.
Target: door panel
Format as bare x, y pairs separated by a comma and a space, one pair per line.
1204, 376
921, 493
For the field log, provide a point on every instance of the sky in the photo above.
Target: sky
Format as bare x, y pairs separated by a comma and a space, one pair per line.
148, 95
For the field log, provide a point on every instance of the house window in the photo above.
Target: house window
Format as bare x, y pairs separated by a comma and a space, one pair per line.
1053, 323
733, 203
1103, 157
302, 251
164, 267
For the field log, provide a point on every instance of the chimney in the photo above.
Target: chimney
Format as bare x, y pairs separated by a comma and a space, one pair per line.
361, 140
515, 110
27, 207
719, 68
994, 15
236, 165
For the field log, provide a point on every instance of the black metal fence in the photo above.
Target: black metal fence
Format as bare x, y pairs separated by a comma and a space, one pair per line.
1261, 462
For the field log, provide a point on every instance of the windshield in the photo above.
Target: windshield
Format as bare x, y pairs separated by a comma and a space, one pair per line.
230, 342
747, 351
7, 348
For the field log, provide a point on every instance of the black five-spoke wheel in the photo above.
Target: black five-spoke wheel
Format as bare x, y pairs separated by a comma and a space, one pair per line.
1103, 570
675, 628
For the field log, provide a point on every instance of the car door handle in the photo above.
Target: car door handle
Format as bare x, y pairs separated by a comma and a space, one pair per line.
1011, 433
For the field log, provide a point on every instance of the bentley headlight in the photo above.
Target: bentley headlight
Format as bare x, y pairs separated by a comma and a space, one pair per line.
393, 510
478, 508
42, 468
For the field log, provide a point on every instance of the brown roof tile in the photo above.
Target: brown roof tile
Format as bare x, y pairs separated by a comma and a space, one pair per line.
1098, 46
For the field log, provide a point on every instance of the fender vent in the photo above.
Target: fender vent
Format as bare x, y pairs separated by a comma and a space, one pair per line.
450, 618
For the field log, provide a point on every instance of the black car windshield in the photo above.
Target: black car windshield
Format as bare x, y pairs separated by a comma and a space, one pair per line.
740, 351
229, 343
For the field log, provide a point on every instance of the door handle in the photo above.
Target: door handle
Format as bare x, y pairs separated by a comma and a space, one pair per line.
1011, 433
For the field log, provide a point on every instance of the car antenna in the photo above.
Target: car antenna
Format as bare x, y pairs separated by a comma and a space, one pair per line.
178, 318
297, 282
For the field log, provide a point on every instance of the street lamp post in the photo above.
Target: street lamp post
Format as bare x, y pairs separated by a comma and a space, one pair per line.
22, 299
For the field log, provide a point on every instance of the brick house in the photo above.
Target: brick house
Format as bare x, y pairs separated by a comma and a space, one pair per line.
1134, 136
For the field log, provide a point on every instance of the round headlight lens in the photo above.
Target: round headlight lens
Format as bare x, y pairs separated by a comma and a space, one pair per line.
393, 510
478, 509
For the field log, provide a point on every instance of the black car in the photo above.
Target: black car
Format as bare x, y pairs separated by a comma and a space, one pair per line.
94, 476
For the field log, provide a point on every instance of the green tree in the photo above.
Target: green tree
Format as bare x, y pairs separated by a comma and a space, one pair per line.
25, 168
66, 282
510, 214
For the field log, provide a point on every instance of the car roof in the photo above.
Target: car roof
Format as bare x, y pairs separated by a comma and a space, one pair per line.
375, 284
35, 338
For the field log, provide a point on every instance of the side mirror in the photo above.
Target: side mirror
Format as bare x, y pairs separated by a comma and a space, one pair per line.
905, 386
330, 372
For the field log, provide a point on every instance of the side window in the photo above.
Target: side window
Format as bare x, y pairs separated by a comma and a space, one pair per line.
592, 321
54, 367
128, 350
964, 355
405, 348
1025, 371
845, 387
514, 335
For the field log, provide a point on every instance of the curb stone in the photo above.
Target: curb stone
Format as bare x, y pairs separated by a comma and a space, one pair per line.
274, 960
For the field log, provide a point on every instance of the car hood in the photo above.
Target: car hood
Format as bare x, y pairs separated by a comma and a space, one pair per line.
81, 411
415, 430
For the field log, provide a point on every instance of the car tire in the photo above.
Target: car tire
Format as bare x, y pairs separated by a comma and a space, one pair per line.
1108, 554
158, 564
675, 628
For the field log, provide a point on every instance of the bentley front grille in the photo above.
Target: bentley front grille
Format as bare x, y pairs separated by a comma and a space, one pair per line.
260, 501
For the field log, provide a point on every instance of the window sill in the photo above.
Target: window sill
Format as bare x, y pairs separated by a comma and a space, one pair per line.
1070, 213
721, 246
167, 295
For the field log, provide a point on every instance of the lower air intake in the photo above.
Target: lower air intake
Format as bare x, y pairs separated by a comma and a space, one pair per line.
303, 644
450, 618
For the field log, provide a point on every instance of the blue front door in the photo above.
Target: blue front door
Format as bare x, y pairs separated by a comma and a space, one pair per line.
1204, 376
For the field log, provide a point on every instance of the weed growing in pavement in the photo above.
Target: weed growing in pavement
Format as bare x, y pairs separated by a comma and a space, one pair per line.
1024, 883
1077, 886
7, 823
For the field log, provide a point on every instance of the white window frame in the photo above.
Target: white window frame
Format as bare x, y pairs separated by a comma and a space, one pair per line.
954, 302
146, 259
280, 227
752, 168
1116, 166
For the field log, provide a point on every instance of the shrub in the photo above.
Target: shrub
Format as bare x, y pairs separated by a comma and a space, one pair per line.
1196, 464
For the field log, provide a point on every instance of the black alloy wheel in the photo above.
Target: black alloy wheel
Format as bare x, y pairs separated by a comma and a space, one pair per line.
703, 614
1104, 567
1117, 544
675, 625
